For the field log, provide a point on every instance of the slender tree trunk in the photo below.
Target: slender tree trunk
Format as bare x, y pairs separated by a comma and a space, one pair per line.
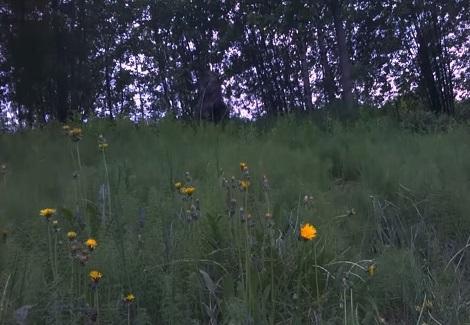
329, 87
344, 61
61, 67
109, 102
307, 87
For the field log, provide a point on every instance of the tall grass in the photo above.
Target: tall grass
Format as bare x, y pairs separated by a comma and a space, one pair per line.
390, 207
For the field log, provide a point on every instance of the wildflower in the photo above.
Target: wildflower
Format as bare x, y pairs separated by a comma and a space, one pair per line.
244, 184
82, 257
178, 185
95, 276
3, 169
71, 235
75, 248
372, 269
75, 134
91, 244
102, 146
243, 166
47, 213
265, 183
188, 190
55, 225
187, 175
129, 298
428, 303
308, 232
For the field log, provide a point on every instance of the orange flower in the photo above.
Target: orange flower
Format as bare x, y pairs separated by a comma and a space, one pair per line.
372, 269
75, 134
47, 213
129, 298
95, 276
308, 232
71, 235
244, 185
91, 244
188, 190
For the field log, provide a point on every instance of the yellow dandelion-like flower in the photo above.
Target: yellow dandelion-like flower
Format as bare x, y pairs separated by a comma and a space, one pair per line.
178, 185
372, 269
71, 235
75, 134
308, 232
91, 244
188, 190
129, 298
47, 212
95, 276
243, 166
102, 146
244, 185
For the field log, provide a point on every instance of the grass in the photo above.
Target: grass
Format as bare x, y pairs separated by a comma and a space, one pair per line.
390, 207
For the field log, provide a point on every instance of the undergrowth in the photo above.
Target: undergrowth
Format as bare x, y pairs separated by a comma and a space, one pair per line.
186, 234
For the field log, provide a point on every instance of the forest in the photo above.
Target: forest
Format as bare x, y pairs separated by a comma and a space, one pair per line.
230, 162
145, 59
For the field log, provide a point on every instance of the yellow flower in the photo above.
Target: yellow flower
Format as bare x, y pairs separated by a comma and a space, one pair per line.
75, 134
243, 166
129, 298
244, 184
308, 232
102, 146
47, 212
188, 190
178, 185
71, 235
91, 243
95, 276
372, 269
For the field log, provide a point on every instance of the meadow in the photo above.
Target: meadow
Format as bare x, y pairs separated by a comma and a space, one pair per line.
287, 223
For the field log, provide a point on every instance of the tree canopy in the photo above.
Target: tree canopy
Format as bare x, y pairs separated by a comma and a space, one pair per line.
144, 59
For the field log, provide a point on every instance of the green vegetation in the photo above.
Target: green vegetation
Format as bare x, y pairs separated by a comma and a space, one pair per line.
390, 208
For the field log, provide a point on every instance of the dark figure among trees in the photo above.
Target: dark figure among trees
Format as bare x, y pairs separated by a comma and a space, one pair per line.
211, 106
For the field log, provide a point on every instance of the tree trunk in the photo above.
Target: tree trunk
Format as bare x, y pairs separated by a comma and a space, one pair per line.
109, 101
344, 61
329, 87
307, 87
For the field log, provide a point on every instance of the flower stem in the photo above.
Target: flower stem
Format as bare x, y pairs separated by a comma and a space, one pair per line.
108, 187
128, 314
316, 273
51, 257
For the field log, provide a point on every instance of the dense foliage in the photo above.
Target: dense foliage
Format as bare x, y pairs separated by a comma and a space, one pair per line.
60, 58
